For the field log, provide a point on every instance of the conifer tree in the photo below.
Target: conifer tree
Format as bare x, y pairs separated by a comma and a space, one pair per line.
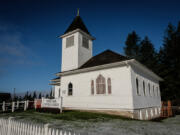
40, 95
169, 63
34, 95
132, 45
147, 54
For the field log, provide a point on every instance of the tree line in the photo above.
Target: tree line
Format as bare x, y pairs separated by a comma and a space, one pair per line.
165, 62
32, 96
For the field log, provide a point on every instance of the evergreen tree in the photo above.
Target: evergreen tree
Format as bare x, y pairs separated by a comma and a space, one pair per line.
147, 54
47, 95
132, 45
30, 97
169, 64
34, 95
40, 95
26, 95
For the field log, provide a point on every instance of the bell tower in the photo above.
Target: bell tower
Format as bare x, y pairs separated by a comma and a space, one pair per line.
77, 45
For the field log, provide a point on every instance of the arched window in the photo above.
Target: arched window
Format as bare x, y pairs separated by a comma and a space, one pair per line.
144, 88
157, 91
109, 85
100, 85
92, 87
149, 89
59, 92
153, 91
70, 89
137, 86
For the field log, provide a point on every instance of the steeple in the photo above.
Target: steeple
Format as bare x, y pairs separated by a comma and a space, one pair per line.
78, 12
77, 23
77, 45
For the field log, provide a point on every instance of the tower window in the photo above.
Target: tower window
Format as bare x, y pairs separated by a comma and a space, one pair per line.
69, 41
85, 43
70, 89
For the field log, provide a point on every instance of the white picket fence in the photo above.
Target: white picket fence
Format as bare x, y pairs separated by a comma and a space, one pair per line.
12, 106
13, 127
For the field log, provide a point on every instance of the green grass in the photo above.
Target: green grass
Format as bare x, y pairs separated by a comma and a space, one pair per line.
67, 115
99, 124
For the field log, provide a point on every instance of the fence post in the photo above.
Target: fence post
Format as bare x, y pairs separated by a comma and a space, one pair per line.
46, 129
13, 106
24, 105
169, 108
35, 104
27, 104
61, 104
9, 125
17, 105
3, 107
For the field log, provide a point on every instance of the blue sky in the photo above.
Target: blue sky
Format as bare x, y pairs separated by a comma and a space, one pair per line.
30, 52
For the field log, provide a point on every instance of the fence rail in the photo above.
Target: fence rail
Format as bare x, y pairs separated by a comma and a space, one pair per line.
13, 127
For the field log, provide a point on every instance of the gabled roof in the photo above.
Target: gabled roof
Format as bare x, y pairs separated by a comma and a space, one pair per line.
77, 23
105, 57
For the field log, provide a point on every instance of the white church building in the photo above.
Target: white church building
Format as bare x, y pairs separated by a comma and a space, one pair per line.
108, 82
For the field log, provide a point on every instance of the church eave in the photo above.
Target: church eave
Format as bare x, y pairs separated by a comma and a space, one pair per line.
112, 65
77, 30
115, 64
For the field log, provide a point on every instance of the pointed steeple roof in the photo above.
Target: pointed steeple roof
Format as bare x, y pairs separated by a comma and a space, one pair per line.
77, 23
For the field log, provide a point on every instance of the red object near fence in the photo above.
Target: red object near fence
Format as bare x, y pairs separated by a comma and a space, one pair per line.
38, 103
166, 109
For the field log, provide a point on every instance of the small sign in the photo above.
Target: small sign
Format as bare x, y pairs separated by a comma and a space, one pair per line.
51, 103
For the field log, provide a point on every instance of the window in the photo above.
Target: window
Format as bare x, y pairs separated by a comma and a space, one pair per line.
59, 92
149, 89
69, 41
85, 43
137, 86
70, 89
100, 85
92, 87
153, 91
109, 85
144, 88
157, 91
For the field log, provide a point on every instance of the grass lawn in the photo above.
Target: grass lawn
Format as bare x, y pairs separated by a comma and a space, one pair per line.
100, 124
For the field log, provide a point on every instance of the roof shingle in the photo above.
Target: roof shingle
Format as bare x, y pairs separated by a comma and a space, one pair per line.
105, 57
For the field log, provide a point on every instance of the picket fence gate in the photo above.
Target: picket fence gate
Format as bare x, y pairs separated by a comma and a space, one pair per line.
13, 127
